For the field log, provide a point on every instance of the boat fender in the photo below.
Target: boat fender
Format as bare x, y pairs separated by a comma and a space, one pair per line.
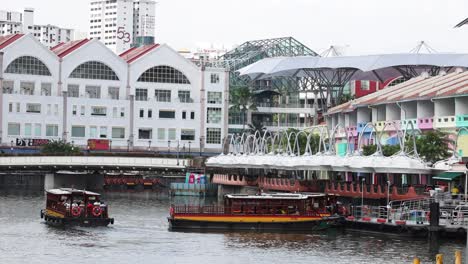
97, 211
42, 214
112, 221
76, 211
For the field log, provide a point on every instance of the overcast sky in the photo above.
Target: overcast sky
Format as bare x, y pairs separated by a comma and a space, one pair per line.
363, 26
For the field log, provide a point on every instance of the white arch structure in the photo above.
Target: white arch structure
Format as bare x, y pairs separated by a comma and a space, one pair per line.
283, 150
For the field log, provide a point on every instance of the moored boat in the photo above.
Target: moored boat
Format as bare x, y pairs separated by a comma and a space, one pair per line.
264, 212
67, 206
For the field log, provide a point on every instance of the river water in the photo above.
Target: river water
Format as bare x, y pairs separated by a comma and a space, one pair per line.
140, 235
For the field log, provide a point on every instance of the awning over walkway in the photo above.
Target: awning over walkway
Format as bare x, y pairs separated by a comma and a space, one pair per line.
447, 176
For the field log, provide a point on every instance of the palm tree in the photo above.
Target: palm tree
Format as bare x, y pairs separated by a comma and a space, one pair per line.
256, 126
242, 100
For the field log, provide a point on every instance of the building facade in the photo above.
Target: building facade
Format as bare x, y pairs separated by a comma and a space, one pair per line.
16, 23
121, 24
148, 97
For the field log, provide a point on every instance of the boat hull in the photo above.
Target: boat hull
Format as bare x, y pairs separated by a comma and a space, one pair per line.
57, 220
268, 224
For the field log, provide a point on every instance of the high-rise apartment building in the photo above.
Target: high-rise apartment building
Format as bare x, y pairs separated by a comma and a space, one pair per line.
12, 22
121, 24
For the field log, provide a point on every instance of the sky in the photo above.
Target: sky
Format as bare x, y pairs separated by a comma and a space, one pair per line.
355, 26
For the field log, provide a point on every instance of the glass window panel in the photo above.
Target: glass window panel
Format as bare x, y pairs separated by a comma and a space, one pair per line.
46, 89
73, 90
8, 87
28, 130
27, 88
145, 133
78, 131
213, 135
172, 133
214, 115
187, 134
13, 129
161, 133
215, 98
166, 114
33, 108
141, 94
162, 95
93, 132
184, 97
51, 130
114, 93
118, 132
94, 70
214, 78
163, 74
28, 65
93, 91
10, 107
103, 132
98, 110
37, 130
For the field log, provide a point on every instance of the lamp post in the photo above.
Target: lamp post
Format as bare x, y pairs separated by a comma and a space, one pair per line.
11, 146
200, 145
190, 142
128, 145
177, 152
73, 145
362, 195
388, 193
149, 145
110, 145
169, 146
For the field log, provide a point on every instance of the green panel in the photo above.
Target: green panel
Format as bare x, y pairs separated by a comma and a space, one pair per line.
341, 149
447, 176
461, 120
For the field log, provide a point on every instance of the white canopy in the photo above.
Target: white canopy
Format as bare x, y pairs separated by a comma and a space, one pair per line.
367, 66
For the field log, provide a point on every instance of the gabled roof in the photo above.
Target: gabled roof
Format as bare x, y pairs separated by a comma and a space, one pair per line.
8, 39
419, 88
63, 49
134, 53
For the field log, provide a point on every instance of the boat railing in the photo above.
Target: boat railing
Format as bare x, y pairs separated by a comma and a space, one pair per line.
221, 210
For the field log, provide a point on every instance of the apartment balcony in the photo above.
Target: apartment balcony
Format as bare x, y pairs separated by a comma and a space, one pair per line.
444, 122
360, 128
379, 125
461, 121
393, 125
352, 130
425, 123
409, 124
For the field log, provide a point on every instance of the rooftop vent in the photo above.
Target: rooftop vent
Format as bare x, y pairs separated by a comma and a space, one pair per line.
459, 70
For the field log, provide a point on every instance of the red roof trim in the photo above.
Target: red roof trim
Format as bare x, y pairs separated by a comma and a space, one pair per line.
56, 46
7, 40
138, 52
72, 48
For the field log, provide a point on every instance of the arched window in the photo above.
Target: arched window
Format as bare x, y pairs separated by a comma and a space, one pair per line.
28, 65
94, 70
163, 74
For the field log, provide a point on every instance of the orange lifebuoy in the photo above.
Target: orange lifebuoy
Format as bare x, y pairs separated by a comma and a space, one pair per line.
97, 211
76, 211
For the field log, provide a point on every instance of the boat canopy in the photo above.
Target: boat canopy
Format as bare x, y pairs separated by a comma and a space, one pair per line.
69, 191
279, 196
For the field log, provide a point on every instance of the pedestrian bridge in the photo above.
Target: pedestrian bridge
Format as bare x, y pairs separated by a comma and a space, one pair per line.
91, 162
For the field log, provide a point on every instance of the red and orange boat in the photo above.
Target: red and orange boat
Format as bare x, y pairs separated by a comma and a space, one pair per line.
263, 212
67, 206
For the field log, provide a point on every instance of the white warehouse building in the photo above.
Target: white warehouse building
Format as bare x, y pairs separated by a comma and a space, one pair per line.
147, 97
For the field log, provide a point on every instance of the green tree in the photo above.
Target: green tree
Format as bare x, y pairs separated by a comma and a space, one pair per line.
387, 150
256, 126
59, 147
242, 100
432, 146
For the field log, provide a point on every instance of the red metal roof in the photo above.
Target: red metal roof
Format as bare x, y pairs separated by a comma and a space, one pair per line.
63, 49
419, 88
134, 53
8, 39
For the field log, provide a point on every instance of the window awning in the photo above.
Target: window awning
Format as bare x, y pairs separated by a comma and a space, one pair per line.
447, 176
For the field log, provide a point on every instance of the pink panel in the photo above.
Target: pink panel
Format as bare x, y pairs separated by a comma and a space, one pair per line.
425, 123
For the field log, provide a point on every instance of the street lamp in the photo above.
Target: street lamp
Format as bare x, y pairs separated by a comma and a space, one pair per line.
11, 146
362, 195
177, 152
200, 145
190, 142
149, 145
388, 193
110, 145
169, 146
73, 145
128, 145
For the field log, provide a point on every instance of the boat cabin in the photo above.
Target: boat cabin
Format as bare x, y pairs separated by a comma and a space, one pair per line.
280, 203
74, 203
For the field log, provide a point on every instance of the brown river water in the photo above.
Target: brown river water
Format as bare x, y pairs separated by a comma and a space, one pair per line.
140, 235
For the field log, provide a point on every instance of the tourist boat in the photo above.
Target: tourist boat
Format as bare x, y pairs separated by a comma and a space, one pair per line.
67, 206
262, 212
